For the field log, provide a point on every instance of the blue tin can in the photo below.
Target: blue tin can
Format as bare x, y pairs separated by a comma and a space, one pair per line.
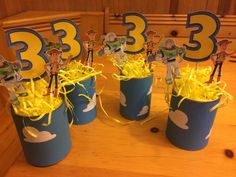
44, 145
84, 110
135, 98
189, 125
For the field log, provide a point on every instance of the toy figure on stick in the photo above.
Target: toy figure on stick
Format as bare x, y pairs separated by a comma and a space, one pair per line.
149, 47
168, 52
10, 77
219, 57
53, 67
89, 46
114, 45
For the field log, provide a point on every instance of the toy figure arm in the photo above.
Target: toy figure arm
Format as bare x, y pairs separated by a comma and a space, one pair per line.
2, 79
181, 52
213, 58
123, 40
85, 44
67, 61
231, 53
47, 68
159, 55
145, 45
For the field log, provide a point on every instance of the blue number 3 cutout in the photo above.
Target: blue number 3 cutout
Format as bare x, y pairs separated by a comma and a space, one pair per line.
69, 37
31, 55
203, 38
137, 32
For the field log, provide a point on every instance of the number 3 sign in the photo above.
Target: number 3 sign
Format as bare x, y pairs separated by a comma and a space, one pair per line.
32, 56
136, 33
204, 37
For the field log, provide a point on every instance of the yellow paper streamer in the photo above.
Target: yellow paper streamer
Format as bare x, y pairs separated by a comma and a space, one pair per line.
76, 72
135, 67
73, 74
193, 85
34, 106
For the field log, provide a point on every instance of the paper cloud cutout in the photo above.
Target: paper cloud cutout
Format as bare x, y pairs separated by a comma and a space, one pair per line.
208, 135
143, 111
150, 91
91, 105
122, 99
179, 118
32, 135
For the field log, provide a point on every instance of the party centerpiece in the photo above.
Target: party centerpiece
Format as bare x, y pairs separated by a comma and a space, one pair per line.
135, 71
41, 122
194, 98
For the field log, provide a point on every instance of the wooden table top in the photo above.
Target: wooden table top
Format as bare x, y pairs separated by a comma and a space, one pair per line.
105, 148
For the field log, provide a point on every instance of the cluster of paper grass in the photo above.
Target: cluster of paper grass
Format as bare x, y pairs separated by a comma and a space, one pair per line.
192, 84
35, 104
76, 72
134, 67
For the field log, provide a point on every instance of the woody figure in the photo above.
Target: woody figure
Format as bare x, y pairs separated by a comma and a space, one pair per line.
53, 67
150, 46
219, 57
89, 46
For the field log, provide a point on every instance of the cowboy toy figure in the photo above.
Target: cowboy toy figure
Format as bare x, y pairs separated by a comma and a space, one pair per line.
53, 67
114, 45
150, 46
168, 52
219, 57
10, 77
89, 46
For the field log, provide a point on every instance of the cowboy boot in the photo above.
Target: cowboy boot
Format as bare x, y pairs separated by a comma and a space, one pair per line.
218, 78
210, 80
56, 92
48, 92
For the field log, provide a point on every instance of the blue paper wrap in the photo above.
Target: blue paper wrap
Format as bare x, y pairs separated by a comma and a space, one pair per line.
189, 126
135, 98
84, 110
44, 145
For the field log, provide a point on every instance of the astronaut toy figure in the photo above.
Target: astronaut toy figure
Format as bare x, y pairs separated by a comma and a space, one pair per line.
53, 67
89, 46
168, 52
114, 45
10, 77
219, 57
149, 47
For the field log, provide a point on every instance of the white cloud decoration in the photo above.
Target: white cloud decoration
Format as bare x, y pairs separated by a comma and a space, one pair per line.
179, 118
122, 99
91, 105
208, 135
32, 135
150, 91
143, 111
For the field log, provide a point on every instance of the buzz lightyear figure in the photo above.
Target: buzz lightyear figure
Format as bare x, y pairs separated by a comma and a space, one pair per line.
168, 51
10, 77
114, 45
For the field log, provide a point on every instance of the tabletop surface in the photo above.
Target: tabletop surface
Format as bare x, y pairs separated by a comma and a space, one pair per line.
107, 148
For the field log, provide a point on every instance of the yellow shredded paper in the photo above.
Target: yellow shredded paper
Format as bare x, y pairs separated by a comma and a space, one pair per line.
135, 67
192, 84
76, 72
35, 104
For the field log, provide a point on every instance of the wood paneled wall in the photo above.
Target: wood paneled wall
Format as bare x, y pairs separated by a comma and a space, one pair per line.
11, 7
120, 6
222, 7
